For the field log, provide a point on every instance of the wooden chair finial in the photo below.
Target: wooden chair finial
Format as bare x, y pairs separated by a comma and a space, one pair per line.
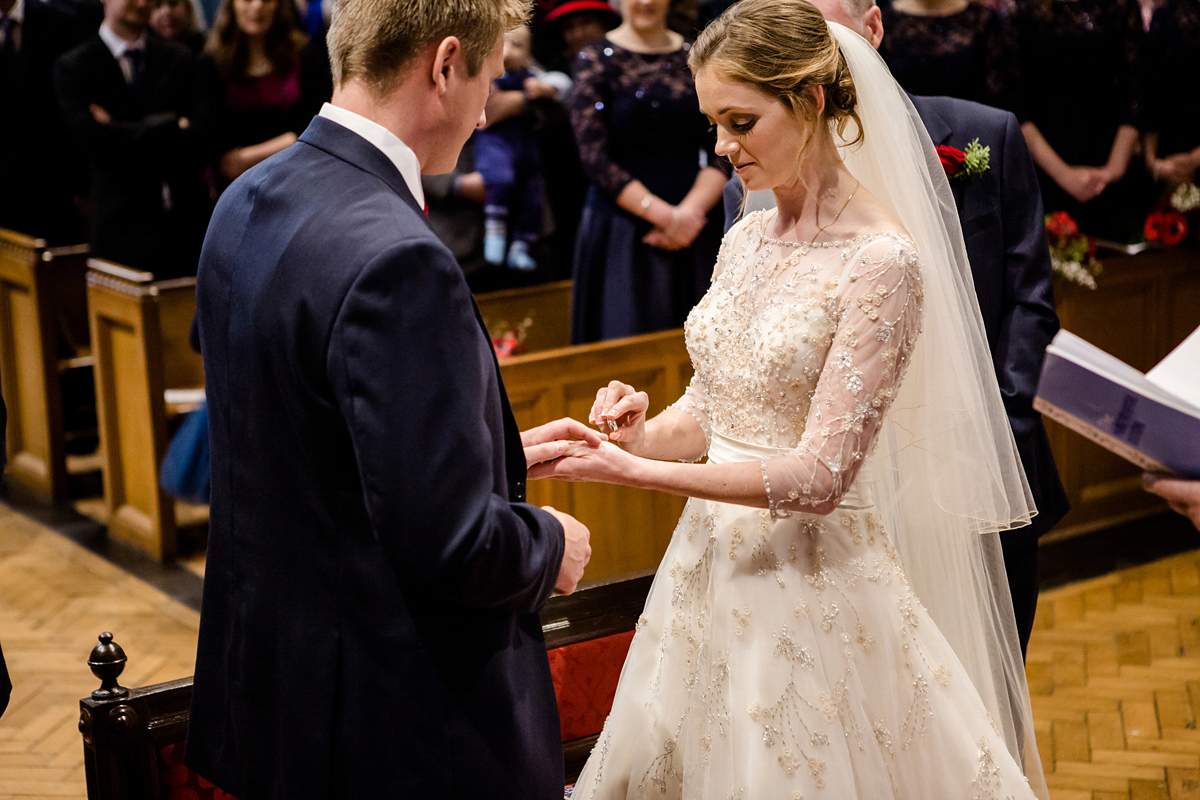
107, 662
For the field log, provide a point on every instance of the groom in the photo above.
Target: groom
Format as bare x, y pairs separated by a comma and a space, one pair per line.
1003, 225
369, 625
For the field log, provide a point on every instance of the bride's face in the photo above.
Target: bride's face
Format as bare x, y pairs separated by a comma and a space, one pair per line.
757, 133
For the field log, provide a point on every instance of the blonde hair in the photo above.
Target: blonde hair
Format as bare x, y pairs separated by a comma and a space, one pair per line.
375, 40
783, 48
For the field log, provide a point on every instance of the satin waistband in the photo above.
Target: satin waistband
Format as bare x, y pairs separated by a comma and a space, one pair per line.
725, 450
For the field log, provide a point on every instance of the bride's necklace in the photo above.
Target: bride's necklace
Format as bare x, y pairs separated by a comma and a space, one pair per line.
804, 246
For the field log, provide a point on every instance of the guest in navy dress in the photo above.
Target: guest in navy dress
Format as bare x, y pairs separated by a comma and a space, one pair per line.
1081, 93
252, 71
651, 223
1172, 140
965, 50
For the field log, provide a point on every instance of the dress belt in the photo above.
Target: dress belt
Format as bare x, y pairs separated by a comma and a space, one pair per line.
723, 449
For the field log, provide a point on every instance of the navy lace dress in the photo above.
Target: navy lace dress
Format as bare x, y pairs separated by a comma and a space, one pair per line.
636, 115
970, 54
1173, 76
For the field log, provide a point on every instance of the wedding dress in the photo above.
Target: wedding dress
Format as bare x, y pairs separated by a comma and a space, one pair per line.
783, 654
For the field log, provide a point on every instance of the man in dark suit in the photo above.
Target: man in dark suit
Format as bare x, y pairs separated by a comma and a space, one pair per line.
130, 99
369, 625
39, 170
1004, 228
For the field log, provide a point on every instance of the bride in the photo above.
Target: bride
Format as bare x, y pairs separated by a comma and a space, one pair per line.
831, 618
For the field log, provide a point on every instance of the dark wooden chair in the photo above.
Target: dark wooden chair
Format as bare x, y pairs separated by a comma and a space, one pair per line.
133, 738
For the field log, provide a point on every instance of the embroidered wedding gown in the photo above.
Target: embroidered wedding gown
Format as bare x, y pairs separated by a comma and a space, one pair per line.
783, 654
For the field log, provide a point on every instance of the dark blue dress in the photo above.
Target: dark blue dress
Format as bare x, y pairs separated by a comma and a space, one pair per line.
636, 115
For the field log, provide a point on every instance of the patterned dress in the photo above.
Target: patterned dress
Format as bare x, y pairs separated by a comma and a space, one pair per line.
782, 654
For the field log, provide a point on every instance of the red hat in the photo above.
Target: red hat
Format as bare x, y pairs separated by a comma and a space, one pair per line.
572, 6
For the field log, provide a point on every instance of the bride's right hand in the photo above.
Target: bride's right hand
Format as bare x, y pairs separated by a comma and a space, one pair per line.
620, 412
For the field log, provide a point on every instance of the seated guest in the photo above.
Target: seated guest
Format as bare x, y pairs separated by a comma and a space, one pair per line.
1172, 139
953, 49
176, 20
455, 200
130, 100
252, 82
40, 172
1081, 92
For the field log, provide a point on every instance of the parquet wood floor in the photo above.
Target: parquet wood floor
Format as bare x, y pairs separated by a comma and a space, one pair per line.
1114, 668
55, 597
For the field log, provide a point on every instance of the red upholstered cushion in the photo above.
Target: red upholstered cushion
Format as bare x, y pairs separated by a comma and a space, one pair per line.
180, 783
585, 680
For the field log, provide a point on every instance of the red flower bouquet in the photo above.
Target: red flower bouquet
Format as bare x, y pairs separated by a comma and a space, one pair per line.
1072, 254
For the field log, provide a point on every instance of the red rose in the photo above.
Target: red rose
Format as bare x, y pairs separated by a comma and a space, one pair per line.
1154, 226
1174, 229
952, 159
1060, 223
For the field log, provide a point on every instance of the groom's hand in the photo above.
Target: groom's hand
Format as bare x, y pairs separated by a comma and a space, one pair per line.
576, 552
548, 442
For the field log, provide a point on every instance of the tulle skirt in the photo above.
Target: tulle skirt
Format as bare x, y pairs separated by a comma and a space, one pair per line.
790, 659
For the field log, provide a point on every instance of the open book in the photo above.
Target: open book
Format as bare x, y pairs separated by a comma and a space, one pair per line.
1152, 420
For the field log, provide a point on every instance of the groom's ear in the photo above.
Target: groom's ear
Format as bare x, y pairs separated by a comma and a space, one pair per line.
446, 58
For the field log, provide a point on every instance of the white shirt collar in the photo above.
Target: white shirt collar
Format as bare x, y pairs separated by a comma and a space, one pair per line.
18, 12
116, 44
397, 151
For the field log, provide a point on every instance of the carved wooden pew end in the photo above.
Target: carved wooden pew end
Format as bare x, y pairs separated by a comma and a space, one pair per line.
133, 738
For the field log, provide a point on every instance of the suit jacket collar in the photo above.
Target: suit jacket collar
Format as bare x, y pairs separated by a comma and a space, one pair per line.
341, 142
937, 126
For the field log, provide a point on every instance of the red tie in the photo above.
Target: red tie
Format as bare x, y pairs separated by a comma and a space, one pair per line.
427, 208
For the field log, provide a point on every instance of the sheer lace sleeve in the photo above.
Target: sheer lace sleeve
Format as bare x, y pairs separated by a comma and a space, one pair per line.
879, 319
590, 99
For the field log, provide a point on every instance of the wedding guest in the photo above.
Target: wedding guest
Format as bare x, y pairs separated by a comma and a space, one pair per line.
1081, 94
130, 100
952, 48
506, 154
455, 201
41, 171
651, 227
252, 77
1183, 495
570, 26
1172, 138
176, 20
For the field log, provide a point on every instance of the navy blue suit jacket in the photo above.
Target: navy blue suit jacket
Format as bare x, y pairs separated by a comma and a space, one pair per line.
1001, 214
369, 624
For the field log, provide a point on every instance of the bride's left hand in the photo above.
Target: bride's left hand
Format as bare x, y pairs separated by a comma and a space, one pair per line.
583, 462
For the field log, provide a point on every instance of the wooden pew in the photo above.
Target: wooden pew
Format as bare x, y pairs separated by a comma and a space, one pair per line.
140, 333
1144, 305
42, 301
544, 310
133, 738
630, 527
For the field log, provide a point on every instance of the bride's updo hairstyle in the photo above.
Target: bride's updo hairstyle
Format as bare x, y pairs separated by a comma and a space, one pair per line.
782, 48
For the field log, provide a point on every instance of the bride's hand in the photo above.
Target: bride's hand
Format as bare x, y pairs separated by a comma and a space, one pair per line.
604, 464
620, 412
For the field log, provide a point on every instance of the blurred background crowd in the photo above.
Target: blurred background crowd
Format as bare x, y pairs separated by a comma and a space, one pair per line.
121, 122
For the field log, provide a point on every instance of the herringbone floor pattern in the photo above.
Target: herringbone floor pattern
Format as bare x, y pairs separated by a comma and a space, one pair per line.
1114, 672
1114, 668
55, 597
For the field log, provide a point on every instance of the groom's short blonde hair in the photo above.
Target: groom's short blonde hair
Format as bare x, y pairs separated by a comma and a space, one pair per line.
376, 40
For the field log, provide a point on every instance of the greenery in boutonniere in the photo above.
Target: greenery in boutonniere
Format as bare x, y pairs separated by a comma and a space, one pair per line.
969, 163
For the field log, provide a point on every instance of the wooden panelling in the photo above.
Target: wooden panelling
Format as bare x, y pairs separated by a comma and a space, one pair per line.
630, 527
543, 311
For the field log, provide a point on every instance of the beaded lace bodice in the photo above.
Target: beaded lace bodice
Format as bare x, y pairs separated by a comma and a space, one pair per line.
802, 347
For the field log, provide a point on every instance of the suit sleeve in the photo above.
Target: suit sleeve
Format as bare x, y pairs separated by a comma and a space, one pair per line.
412, 372
1030, 320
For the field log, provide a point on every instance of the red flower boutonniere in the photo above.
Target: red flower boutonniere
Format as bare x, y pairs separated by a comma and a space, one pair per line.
969, 163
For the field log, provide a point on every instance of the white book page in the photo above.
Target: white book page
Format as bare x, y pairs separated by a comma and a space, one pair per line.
1179, 372
1069, 346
